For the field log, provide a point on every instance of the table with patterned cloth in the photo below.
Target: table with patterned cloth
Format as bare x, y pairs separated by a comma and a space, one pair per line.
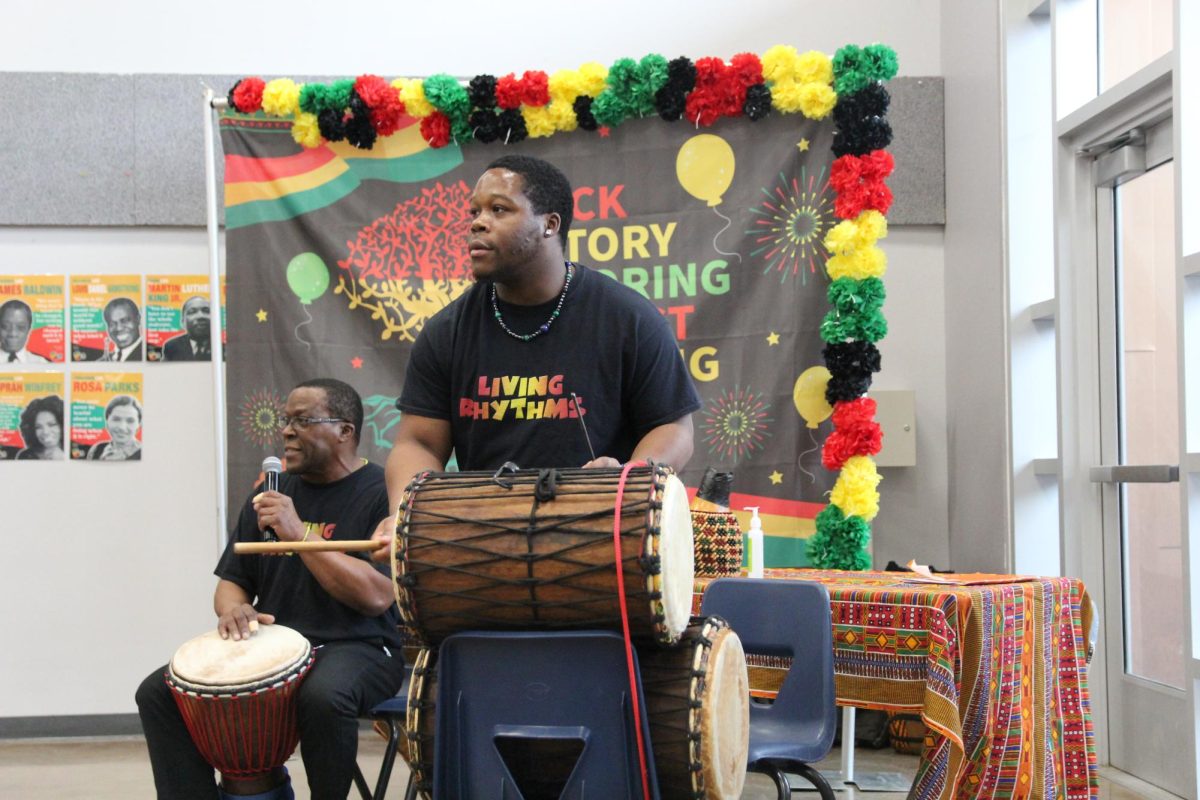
995, 664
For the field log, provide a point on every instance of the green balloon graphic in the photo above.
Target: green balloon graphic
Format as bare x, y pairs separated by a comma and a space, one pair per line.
308, 277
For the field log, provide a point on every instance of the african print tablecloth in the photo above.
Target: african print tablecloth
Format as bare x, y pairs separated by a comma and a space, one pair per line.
996, 665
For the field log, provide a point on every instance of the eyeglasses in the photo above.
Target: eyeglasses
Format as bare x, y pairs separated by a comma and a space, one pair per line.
302, 423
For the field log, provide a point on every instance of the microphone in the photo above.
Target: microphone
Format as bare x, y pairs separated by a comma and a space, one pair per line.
271, 467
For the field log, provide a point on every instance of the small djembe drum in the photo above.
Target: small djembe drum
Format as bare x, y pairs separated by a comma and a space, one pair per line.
237, 699
698, 706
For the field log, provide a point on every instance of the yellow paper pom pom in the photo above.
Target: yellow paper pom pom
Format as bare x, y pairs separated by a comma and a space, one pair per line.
786, 96
281, 98
412, 92
872, 226
538, 121
814, 67
867, 262
594, 78
842, 238
855, 491
779, 63
563, 114
566, 85
305, 130
817, 100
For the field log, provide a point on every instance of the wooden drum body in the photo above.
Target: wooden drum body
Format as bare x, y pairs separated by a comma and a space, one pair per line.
534, 550
237, 697
698, 704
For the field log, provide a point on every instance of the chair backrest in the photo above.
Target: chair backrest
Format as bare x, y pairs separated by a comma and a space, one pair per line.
784, 619
557, 703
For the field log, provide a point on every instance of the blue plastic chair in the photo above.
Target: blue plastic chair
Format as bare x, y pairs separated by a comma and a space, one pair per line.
788, 619
499, 691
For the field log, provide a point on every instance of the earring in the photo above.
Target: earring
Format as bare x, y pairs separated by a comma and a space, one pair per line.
548, 232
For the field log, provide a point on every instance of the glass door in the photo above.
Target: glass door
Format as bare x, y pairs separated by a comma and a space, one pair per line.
1143, 619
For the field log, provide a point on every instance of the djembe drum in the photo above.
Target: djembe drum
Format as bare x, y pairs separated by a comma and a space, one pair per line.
535, 550
698, 705
237, 699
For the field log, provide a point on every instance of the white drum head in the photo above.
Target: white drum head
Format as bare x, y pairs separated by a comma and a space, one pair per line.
678, 557
725, 717
209, 660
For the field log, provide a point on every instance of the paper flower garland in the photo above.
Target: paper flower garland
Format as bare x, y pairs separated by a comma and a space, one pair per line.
856, 294
534, 104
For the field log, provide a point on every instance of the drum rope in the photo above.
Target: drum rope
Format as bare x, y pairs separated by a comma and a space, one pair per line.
633, 676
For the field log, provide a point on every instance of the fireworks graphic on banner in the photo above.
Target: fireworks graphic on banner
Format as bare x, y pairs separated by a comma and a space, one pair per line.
260, 415
789, 226
735, 424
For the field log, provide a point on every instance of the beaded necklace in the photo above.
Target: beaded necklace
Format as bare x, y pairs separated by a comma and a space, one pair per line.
545, 326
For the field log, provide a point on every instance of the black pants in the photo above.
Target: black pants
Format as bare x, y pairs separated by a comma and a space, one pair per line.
347, 679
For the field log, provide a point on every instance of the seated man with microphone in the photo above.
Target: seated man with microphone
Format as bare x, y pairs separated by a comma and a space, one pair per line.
341, 602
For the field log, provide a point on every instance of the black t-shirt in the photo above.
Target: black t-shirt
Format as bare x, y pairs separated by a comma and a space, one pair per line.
346, 509
510, 400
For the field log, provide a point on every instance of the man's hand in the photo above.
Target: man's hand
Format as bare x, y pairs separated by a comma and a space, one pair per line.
276, 511
384, 532
603, 462
241, 622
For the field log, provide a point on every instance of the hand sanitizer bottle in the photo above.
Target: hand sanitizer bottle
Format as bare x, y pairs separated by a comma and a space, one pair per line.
754, 544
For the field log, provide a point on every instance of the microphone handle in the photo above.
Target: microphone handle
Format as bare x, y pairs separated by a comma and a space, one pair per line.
271, 484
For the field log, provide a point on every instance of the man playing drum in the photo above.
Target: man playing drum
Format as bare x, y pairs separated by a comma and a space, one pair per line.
340, 602
504, 373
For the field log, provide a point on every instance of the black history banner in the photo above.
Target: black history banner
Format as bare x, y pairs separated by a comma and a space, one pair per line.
338, 256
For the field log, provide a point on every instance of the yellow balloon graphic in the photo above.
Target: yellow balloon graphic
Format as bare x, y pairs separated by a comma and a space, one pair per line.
705, 167
809, 396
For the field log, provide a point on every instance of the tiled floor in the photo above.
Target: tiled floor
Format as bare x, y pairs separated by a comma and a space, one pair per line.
117, 769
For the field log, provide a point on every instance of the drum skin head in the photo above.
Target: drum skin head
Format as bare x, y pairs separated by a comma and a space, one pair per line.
209, 660
678, 556
726, 721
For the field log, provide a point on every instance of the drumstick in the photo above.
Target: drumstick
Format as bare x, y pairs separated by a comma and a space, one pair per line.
276, 548
583, 425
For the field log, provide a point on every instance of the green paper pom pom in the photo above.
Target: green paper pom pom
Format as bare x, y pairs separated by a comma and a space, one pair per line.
446, 95
610, 109
880, 62
650, 76
338, 96
839, 542
311, 98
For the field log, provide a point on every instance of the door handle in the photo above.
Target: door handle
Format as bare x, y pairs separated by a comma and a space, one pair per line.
1139, 473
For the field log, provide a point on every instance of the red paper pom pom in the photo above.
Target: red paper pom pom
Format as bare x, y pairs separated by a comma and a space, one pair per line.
435, 129
855, 433
509, 91
247, 97
707, 101
535, 86
748, 69
859, 183
373, 89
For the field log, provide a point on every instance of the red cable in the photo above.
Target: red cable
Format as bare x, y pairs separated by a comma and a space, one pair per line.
633, 682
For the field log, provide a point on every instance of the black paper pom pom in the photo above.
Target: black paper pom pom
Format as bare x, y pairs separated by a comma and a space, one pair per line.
482, 91
332, 124
359, 130
583, 113
872, 133
512, 126
850, 365
485, 124
758, 102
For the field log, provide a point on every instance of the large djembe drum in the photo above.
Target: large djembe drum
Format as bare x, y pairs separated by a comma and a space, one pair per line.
535, 550
237, 698
697, 705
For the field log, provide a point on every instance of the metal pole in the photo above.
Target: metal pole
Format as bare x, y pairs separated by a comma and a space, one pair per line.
214, 284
